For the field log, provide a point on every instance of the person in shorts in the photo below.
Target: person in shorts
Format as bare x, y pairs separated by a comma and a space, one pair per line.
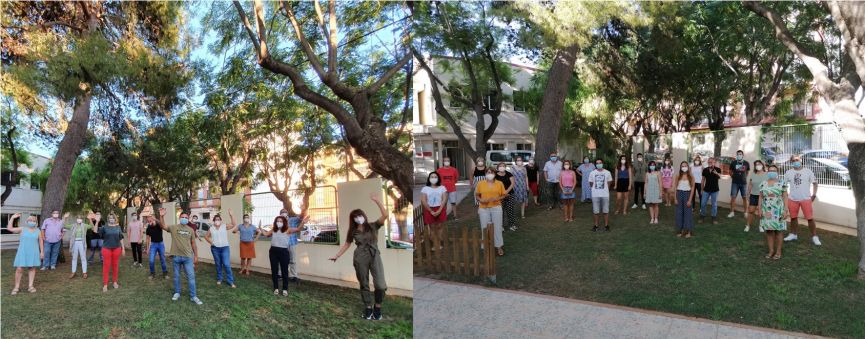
803, 191
600, 180
434, 198
449, 176
739, 169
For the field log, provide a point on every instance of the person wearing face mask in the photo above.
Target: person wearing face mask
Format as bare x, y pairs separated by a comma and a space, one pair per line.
507, 179
296, 224
184, 253
803, 191
449, 176
367, 257
278, 254
697, 173
754, 182
478, 174
682, 200
434, 201
667, 181
552, 171
520, 194
568, 185
532, 177
217, 237
112, 249
584, 171
490, 194
739, 169
135, 230
155, 246
601, 179
773, 212
248, 236
639, 170
30, 252
623, 184
194, 224
53, 230
652, 196
711, 176
78, 244
93, 235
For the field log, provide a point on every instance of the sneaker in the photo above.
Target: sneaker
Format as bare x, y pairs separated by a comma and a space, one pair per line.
376, 313
43, 268
644, 206
747, 228
732, 214
284, 293
197, 301
607, 228
367, 313
165, 276
276, 292
816, 241
150, 276
594, 228
175, 297
791, 237
633, 206
53, 268
513, 228
761, 229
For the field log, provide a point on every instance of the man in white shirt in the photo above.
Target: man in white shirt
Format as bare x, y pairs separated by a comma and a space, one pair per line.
600, 181
801, 181
552, 172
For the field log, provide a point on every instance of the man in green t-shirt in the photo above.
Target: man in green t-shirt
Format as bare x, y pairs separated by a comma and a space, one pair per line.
184, 253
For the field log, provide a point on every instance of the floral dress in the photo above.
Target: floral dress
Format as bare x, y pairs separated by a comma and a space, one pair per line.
521, 190
772, 208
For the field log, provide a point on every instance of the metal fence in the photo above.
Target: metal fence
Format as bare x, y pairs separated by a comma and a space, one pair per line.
820, 146
660, 145
322, 225
402, 222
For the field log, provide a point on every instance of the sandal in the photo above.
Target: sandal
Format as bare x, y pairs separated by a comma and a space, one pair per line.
776, 257
768, 256
500, 252
31, 289
116, 286
15, 291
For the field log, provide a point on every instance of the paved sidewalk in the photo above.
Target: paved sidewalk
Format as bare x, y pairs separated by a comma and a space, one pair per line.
452, 310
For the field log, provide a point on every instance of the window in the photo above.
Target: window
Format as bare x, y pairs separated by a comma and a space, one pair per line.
524, 147
489, 100
519, 101
4, 219
7, 178
495, 147
205, 215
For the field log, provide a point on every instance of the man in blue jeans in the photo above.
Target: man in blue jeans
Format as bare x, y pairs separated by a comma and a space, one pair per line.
184, 253
53, 230
739, 169
711, 175
154, 245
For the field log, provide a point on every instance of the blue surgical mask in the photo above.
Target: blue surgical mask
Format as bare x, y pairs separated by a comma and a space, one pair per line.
797, 164
585, 161
184, 221
652, 167
553, 158
31, 224
738, 157
599, 166
772, 175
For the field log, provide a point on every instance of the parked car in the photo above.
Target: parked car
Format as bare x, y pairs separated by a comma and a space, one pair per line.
827, 171
508, 157
837, 156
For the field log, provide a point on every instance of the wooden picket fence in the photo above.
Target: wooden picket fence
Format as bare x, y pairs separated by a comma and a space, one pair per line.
462, 253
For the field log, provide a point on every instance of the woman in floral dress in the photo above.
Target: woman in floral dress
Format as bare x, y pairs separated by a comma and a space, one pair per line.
773, 212
521, 187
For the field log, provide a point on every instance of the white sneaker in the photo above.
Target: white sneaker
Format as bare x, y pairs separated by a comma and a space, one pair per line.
644, 206
816, 241
732, 214
761, 229
197, 301
634, 206
747, 228
276, 292
791, 237
175, 297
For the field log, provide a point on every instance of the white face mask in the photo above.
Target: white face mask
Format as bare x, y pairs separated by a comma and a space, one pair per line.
246, 220
447, 163
279, 224
79, 221
491, 176
567, 166
55, 215
217, 222
359, 220
684, 169
480, 163
623, 161
501, 169
433, 180
759, 167
519, 162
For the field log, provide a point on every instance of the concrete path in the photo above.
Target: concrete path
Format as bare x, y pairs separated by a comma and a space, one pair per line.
453, 310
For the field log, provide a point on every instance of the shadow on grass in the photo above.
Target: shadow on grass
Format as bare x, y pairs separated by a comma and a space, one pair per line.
718, 274
78, 308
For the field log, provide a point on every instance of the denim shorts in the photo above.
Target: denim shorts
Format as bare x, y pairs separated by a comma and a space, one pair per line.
736, 188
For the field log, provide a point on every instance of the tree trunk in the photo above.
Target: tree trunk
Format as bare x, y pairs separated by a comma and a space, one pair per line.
67, 155
552, 106
14, 154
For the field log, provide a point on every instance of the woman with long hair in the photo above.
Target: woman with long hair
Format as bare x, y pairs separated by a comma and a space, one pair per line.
754, 182
568, 183
367, 257
653, 191
30, 253
112, 249
585, 171
478, 174
279, 255
434, 198
667, 182
217, 236
507, 179
490, 194
682, 200
521, 186
623, 184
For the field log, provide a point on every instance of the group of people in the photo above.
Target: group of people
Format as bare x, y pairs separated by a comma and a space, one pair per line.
768, 200
39, 247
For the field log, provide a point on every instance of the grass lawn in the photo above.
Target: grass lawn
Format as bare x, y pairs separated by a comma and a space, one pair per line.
718, 274
142, 308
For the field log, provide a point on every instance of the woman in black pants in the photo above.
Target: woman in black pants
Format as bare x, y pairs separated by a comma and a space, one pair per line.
279, 257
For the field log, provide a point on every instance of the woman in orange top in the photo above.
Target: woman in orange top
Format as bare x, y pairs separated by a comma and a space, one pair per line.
490, 193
